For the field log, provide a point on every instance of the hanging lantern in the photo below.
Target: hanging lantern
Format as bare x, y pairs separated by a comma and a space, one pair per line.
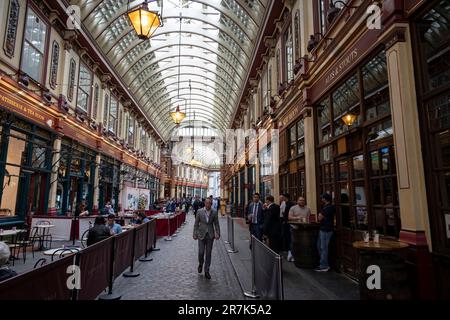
177, 115
144, 21
349, 118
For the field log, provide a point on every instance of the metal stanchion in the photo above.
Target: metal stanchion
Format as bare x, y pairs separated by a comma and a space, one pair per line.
252, 294
110, 295
228, 228
131, 273
168, 238
176, 226
232, 248
146, 258
280, 278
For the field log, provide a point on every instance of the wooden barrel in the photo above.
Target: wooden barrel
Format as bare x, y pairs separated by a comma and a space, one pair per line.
394, 273
304, 245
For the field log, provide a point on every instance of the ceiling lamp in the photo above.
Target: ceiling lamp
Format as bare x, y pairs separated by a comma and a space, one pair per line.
144, 21
349, 118
177, 115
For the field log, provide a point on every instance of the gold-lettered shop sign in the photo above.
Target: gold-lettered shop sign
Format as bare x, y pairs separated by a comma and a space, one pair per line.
25, 110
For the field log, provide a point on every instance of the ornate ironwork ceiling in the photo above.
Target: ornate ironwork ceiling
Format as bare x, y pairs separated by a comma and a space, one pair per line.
217, 39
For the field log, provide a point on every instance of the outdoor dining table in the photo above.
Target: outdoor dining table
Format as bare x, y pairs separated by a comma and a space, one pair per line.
44, 230
387, 256
10, 233
63, 251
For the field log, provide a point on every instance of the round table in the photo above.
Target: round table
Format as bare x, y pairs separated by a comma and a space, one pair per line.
304, 244
63, 251
383, 261
44, 233
6, 233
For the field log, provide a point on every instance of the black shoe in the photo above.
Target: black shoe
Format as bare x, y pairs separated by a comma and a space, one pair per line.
200, 268
207, 275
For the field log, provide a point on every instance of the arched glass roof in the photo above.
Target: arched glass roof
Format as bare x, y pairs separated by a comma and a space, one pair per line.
211, 50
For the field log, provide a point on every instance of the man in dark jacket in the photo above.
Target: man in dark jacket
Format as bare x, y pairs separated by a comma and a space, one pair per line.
254, 217
272, 224
196, 205
98, 232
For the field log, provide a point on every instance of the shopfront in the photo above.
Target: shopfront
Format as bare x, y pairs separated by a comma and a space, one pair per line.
294, 180
135, 189
25, 168
356, 158
76, 176
431, 52
109, 182
266, 172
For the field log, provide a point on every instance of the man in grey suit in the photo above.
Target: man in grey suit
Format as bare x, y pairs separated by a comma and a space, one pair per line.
206, 229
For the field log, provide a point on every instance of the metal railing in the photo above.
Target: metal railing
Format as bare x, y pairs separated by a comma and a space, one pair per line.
267, 273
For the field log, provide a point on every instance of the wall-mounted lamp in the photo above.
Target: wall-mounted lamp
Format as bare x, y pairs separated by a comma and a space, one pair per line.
334, 11
24, 80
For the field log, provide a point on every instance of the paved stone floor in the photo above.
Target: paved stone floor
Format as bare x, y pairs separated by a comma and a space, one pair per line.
172, 275
173, 272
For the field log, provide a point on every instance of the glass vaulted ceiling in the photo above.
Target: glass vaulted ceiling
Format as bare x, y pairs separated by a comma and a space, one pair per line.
217, 39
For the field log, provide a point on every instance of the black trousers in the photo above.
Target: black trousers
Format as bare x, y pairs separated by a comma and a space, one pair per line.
205, 249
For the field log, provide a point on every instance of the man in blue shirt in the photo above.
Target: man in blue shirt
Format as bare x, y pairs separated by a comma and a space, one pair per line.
326, 219
114, 227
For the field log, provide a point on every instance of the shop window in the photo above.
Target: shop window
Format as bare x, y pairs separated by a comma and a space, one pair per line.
95, 104
16, 149
130, 133
112, 123
301, 136
84, 88
26, 171
439, 111
33, 54
292, 141
278, 63
289, 56
144, 141
324, 116
358, 167
297, 35
322, 15
106, 111
346, 99
434, 39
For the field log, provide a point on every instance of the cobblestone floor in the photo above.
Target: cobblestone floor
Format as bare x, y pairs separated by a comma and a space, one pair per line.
173, 272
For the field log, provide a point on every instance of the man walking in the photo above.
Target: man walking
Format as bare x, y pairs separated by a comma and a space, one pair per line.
255, 217
326, 219
196, 205
206, 229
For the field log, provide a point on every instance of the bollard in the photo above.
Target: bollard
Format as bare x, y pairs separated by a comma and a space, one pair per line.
228, 228
175, 234
231, 239
168, 238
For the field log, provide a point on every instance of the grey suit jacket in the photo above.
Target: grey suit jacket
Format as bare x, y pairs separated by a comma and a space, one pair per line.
202, 226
